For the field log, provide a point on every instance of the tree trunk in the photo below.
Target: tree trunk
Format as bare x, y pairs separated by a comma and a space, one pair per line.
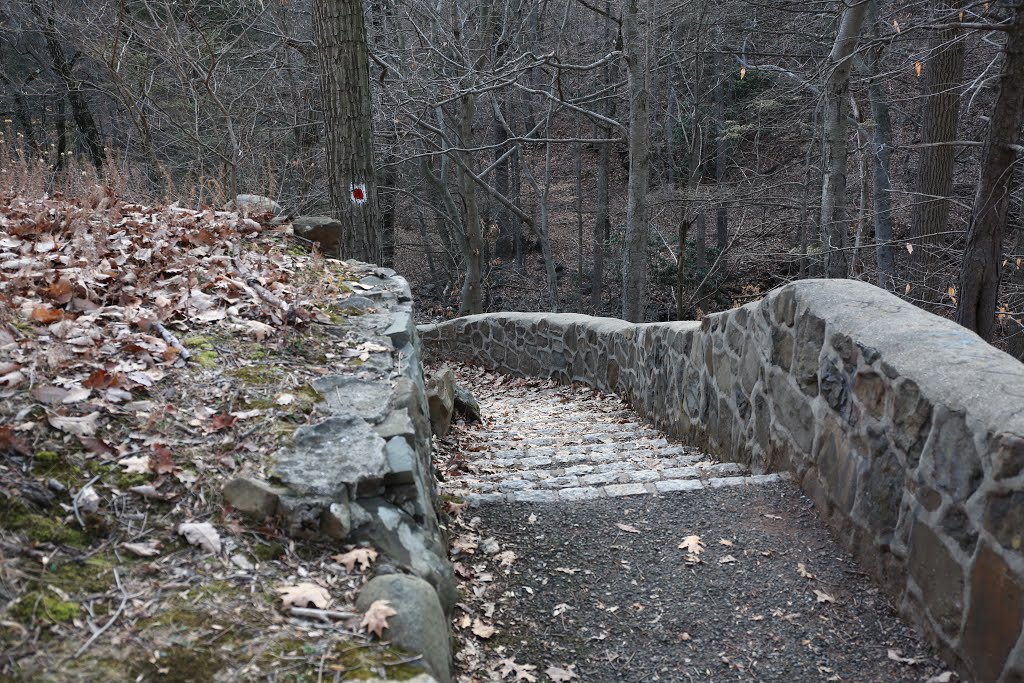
834, 136
881, 142
345, 82
943, 71
982, 262
472, 290
634, 257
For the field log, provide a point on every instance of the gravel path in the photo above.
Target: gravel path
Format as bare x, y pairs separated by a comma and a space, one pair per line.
595, 587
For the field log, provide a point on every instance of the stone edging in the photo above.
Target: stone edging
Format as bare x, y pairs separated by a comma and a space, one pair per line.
905, 429
364, 474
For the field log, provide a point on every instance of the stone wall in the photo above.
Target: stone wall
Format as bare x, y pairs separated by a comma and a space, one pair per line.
364, 473
905, 429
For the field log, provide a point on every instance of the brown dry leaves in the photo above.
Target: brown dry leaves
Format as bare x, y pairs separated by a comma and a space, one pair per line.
375, 620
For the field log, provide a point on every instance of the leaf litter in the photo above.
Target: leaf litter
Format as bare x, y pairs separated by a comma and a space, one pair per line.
147, 355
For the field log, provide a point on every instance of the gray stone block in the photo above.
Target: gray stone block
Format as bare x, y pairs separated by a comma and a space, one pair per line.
347, 394
420, 624
253, 497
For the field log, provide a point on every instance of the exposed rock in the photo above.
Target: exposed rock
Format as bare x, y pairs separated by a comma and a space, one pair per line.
407, 545
995, 615
441, 399
253, 497
420, 625
247, 204
347, 394
333, 457
324, 230
397, 423
466, 404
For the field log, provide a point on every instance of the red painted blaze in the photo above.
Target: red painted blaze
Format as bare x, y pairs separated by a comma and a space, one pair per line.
358, 194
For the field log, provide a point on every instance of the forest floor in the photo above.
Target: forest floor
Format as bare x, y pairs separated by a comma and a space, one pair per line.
733, 578
118, 558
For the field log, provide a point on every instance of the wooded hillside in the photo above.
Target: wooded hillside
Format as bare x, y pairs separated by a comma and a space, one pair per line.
648, 160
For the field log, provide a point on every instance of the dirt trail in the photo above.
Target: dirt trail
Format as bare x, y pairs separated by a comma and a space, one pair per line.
599, 550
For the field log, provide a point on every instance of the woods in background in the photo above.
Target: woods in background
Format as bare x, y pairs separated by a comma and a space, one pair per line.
649, 160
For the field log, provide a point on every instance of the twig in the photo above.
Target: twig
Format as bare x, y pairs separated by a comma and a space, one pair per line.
290, 312
110, 621
74, 501
172, 341
322, 614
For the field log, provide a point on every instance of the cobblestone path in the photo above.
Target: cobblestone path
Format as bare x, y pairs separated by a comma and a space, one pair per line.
592, 549
545, 443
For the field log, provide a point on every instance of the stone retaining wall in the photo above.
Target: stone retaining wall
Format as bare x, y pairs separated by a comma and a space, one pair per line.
905, 429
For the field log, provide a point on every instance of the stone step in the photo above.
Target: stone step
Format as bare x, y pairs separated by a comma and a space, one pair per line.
577, 493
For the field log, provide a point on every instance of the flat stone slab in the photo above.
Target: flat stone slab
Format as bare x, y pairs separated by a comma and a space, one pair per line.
347, 394
341, 453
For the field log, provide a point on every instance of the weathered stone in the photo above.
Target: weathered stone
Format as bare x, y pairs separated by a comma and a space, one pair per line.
810, 336
419, 626
441, 399
840, 469
247, 204
1009, 456
253, 497
792, 410
881, 494
347, 394
911, 417
1004, 518
995, 615
397, 423
323, 230
870, 390
956, 465
402, 462
402, 330
405, 544
835, 387
466, 404
335, 456
957, 526
336, 521
939, 575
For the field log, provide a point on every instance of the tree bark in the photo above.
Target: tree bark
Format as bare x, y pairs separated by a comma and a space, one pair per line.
634, 257
881, 143
982, 261
834, 136
340, 32
943, 71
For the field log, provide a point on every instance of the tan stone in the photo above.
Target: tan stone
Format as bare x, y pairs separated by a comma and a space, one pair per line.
994, 617
939, 575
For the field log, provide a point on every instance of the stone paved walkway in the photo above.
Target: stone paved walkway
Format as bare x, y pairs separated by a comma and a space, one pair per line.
597, 550
543, 443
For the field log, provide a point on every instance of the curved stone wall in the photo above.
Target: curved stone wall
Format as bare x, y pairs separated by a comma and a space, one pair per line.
905, 429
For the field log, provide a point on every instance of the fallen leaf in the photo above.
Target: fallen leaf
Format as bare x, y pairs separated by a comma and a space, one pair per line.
823, 596
560, 675
148, 549
79, 426
728, 559
364, 556
285, 400
802, 570
161, 461
505, 558
944, 677
375, 620
483, 630
137, 465
628, 528
49, 394
693, 547
47, 315
201, 534
223, 421
726, 542
520, 672
305, 595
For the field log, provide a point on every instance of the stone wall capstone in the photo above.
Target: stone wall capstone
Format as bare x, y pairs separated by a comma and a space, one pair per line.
905, 429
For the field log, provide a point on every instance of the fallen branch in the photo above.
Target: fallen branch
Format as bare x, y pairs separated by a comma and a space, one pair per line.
290, 312
172, 341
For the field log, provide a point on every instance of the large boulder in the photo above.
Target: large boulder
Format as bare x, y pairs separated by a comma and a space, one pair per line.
441, 399
247, 204
420, 625
324, 230
466, 404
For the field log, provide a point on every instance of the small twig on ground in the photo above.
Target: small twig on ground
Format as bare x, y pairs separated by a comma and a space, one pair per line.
110, 622
74, 501
290, 312
172, 341
322, 614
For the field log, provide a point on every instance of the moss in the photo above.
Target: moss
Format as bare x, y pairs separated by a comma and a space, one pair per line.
256, 374
47, 457
268, 551
366, 662
43, 606
198, 341
206, 359
41, 529
177, 617
95, 575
